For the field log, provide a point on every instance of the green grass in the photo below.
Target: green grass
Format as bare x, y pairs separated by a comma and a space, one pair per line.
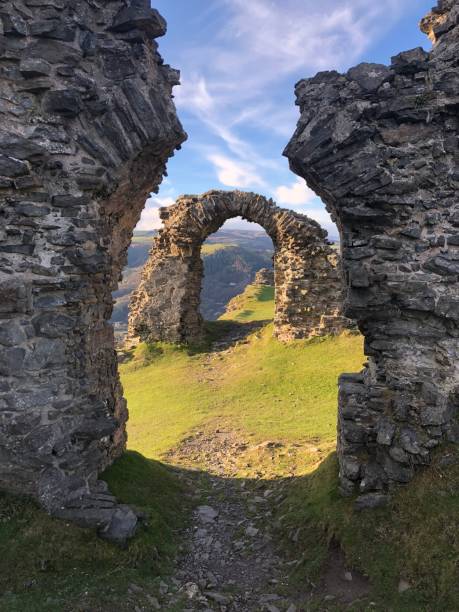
288, 391
164, 397
146, 237
256, 303
414, 539
266, 388
47, 564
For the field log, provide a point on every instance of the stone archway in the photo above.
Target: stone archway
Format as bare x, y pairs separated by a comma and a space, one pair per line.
380, 145
86, 127
307, 275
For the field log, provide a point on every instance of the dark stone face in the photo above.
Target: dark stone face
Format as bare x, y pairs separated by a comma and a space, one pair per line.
307, 274
380, 145
86, 127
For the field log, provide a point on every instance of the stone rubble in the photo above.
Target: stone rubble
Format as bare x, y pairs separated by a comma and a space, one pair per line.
307, 272
227, 563
380, 146
87, 124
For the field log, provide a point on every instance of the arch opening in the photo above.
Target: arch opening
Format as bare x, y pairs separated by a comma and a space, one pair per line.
306, 270
235, 257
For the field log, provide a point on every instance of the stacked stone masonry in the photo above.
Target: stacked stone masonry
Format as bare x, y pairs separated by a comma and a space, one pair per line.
307, 272
86, 127
380, 146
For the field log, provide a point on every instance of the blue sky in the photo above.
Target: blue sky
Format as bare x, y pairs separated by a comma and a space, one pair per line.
239, 62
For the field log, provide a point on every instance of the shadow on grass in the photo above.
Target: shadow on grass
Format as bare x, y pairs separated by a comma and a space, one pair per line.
266, 293
47, 564
414, 539
225, 332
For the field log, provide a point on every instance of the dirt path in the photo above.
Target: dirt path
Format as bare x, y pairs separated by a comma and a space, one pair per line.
230, 560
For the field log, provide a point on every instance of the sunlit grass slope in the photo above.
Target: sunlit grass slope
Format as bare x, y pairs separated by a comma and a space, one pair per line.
209, 249
288, 391
283, 392
256, 303
165, 397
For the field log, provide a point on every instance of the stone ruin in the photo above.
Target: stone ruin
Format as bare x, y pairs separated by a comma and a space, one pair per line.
264, 276
380, 146
307, 275
86, 127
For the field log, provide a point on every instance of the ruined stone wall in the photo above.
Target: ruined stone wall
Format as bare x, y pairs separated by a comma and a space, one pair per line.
86, 127
307, 273
380, 146
265, 276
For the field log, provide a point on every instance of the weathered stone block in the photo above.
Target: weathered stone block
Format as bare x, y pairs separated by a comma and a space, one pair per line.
140, 16
61, 252
11, 361
54, 52
370, 76
9, 166
63, 102
34, 67
12, 334
387, 174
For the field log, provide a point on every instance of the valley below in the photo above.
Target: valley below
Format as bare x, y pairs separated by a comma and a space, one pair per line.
231, 259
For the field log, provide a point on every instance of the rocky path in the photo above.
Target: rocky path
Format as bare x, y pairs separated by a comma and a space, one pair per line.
229, 561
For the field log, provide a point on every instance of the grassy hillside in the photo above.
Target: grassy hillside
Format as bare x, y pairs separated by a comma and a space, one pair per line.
264, 387
281, 400
256, 303
211, 248
227, 271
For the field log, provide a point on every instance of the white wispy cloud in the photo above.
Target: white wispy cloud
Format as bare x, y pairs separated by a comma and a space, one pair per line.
299, 197
231, 79
283, 37
239, 65
323, 218
296, 194
232, 173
